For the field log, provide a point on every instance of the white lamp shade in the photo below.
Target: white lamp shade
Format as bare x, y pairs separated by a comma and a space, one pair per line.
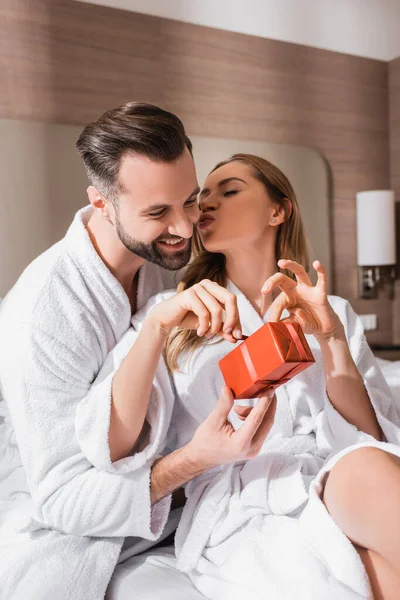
376, 228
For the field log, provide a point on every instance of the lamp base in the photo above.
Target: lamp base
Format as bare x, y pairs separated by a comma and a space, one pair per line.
371, 280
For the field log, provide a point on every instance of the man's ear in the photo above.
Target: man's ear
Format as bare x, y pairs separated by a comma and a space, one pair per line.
98, 202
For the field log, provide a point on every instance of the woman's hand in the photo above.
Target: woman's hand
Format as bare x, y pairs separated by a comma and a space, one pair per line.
307, 304
200, 307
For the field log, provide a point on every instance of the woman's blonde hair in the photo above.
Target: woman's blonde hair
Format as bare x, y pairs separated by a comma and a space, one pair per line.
290, 244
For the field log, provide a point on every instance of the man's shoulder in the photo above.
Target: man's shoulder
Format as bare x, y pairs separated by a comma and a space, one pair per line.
35, 277
38, 288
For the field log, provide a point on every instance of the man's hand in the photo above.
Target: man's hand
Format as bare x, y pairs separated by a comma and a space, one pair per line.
214, 443
200, 307
217, 443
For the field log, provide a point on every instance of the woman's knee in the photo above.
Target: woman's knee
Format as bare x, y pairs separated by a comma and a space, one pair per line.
366, 456
356, 479
362, 467
355, 487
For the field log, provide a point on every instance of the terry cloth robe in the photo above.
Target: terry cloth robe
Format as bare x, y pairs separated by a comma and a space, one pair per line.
65, 509
258, 529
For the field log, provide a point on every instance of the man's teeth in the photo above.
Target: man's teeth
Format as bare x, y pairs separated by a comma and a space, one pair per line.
172, 242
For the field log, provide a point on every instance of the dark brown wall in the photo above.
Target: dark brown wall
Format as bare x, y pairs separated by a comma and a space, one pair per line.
66, 62
394, 102
394, 112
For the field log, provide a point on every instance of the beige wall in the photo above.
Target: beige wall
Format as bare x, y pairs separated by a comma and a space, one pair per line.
38, 195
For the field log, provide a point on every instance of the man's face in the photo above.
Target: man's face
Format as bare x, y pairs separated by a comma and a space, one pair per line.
157, 209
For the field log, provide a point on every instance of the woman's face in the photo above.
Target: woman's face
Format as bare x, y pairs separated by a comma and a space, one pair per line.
236, 209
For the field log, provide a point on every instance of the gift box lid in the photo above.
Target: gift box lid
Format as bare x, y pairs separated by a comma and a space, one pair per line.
275, 344
269, 353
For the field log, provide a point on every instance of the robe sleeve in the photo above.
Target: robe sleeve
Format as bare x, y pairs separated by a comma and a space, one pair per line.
92, 420
333, 432
44, 375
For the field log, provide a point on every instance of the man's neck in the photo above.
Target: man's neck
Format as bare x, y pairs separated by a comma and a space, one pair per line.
122, 263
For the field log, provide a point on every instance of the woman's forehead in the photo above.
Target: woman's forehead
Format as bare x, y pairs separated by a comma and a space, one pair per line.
232, 169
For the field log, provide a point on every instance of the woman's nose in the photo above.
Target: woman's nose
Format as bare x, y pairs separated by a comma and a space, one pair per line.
208, 204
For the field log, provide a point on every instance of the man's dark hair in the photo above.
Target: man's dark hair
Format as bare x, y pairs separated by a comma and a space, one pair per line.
136, 128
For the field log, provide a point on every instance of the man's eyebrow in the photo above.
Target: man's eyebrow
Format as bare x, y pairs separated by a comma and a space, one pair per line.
206, 191
155, 207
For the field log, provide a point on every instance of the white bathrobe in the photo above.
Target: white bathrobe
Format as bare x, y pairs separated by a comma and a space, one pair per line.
258, 529
65, 509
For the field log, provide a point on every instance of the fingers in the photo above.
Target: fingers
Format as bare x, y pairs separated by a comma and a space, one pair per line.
322, 282
302, 275
289, 295
242, 411
299, 271
194, 304
229, 302
224, 404
214, 309
251, 425
265, 426
277, 307
278, 280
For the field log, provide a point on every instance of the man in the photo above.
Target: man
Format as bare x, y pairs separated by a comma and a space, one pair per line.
66, 312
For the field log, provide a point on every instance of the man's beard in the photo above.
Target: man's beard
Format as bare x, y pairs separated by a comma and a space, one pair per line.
152, 252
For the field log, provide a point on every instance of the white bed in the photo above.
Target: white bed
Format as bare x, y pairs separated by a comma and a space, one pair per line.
391, 372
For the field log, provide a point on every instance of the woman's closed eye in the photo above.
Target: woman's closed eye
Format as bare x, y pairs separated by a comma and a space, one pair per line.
230, 192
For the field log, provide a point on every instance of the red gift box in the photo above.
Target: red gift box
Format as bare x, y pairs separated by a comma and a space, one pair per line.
266, 359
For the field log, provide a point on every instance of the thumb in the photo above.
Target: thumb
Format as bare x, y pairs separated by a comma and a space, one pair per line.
243, 411
224, 404
277, 307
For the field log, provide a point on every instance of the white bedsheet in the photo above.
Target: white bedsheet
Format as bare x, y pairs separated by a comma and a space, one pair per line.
391, 372
152, 575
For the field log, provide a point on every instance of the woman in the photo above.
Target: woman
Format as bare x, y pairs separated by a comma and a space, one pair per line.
325, 444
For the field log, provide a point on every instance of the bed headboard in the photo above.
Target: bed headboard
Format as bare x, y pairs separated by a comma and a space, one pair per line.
36, 209
305, 168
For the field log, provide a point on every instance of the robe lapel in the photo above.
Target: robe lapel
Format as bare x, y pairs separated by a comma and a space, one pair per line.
251, 320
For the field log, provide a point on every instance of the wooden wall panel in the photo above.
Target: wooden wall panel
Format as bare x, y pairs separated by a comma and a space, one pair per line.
66, 62
394, 103
394, 112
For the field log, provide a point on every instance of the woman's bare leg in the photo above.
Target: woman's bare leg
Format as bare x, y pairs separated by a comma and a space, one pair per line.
362, 494
384, 582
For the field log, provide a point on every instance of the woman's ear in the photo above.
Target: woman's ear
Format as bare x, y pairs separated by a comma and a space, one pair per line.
287, 208
282, 212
